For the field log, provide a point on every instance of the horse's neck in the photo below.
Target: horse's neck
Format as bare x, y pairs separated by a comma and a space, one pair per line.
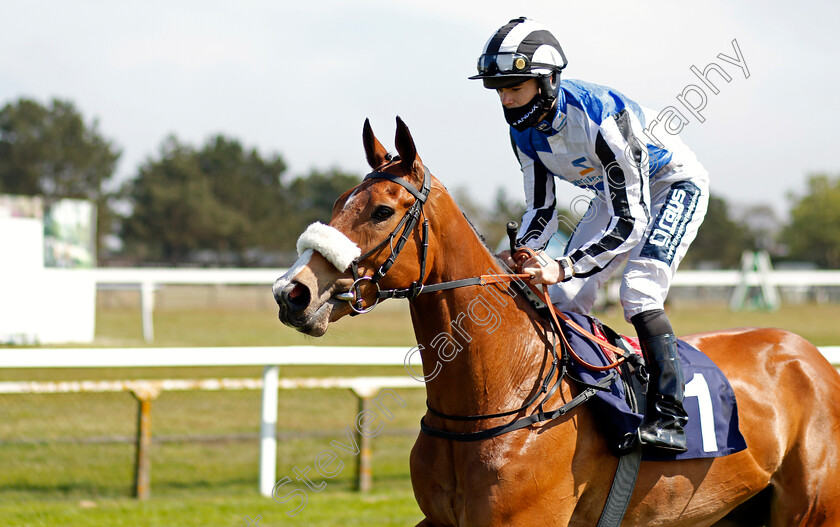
481, 352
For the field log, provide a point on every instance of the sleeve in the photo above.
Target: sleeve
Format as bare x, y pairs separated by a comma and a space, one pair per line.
624, 197
539, 222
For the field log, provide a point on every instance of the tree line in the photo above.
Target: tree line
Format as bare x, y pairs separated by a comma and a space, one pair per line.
225, 204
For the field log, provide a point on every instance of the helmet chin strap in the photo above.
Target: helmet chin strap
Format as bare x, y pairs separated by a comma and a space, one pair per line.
551, 107
548, 85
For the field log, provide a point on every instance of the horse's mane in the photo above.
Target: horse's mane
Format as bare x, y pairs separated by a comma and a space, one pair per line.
483, 240
478, 234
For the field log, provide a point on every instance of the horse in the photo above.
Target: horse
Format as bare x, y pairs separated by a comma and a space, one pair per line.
485, 350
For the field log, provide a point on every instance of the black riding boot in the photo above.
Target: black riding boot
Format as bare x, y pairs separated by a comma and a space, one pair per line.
665, 420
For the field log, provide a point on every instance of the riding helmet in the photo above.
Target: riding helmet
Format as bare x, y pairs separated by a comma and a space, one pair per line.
517, 51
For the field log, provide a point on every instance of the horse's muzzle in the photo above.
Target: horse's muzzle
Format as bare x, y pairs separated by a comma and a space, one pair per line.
293, 299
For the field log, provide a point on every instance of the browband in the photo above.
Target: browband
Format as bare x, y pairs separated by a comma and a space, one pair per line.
421, 194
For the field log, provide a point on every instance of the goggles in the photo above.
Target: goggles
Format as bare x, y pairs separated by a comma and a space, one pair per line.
508, 63
503, 63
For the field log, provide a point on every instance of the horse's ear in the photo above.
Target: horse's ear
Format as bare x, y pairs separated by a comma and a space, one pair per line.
375, 152
405, 145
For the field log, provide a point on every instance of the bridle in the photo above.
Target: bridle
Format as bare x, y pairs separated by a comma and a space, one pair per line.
407, 223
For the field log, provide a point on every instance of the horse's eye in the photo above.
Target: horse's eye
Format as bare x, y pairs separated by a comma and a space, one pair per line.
382, 213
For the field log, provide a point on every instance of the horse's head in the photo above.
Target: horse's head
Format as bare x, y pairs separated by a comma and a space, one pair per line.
342, 265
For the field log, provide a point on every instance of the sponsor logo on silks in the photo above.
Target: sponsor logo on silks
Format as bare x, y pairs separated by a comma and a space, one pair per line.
581, 163
671, 222
559, 121
527, 115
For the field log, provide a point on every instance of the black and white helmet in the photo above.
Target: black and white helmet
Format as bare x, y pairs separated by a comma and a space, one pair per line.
517, 51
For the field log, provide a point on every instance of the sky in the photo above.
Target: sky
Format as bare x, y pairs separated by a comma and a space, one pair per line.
299, 78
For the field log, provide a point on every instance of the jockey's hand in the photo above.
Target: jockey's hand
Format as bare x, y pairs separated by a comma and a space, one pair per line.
543, 268
504, 256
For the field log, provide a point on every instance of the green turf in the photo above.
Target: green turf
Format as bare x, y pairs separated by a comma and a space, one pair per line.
393, 506
68, 459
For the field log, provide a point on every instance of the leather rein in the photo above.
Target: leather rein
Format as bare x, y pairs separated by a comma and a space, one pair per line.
559, 364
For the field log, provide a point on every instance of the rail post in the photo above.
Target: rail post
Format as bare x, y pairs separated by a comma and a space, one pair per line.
364, 463
145, 393
268, 429
364, 390
147, 308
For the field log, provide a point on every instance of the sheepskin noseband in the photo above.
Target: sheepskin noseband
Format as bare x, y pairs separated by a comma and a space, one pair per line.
337, 248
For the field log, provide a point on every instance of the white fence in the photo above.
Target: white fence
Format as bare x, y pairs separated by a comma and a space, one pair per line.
147, 280
269, 357
810, 278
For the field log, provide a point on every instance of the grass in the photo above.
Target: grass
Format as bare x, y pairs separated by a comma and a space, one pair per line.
394, 506
68, 459
58, 471
236, 316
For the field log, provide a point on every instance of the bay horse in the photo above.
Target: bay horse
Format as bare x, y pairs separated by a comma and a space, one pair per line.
485, 350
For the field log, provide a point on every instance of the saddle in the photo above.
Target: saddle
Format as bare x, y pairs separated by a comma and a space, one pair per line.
712, 429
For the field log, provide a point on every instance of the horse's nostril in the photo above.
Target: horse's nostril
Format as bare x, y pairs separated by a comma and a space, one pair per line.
296, 296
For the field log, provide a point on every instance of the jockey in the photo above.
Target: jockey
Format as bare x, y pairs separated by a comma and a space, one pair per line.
649, 198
